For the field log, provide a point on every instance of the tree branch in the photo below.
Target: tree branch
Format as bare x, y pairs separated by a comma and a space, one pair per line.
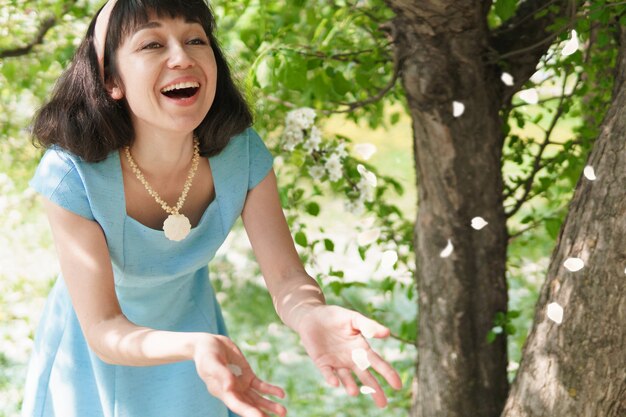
520, 42
46, 24
537, 165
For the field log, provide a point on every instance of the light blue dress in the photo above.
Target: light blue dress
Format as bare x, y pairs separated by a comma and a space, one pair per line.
160, 284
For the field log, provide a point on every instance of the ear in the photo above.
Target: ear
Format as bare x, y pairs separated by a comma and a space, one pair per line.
116, 93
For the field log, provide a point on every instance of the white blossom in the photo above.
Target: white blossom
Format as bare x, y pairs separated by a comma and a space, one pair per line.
302, 118
314, 141
571, 45
365, 150
333, 167
529, 96
369, 176
316, 172
341, 150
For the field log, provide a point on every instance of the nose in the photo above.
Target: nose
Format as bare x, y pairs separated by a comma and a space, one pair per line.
179, 57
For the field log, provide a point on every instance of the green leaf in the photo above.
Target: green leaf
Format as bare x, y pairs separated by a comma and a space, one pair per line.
491, 337
329, 245
301, 239
313, 208
264, 73
505, 9
553, 227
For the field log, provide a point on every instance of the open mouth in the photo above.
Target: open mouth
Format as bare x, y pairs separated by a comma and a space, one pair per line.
181, 90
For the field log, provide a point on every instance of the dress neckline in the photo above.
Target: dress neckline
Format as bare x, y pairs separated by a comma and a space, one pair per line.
214, 201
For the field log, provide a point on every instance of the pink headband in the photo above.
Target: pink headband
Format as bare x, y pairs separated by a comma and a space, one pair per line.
100, 33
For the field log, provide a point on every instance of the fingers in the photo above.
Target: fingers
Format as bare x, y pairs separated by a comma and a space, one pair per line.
369, 380
348, 381
267, 388
236, 404
385, 370
369, 328
268, 405
329, 376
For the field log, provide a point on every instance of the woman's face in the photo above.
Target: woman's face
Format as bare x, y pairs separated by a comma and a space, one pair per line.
168, 75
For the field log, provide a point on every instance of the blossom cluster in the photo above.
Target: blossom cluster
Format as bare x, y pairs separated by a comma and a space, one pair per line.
326, 158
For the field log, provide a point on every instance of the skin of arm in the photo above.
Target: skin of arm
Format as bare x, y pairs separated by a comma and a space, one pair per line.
294, 292
87, 271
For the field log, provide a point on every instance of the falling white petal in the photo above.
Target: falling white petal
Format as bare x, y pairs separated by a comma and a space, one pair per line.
368, 237
458, 108
478, 223
571, 45
555, 313
589, 172
625, 271
574, 264
529, 96
234, 369
359, 356
389, 259
507, 79
447, 250
367, 329
367, 390
365, 150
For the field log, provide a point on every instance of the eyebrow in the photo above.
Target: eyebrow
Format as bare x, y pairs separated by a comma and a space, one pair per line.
155, 24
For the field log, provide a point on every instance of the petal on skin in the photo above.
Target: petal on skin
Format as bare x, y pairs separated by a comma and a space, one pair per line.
367, 329
478, 223
367, 390
234, 369
555, 313
574, 264
447, 250
359, 356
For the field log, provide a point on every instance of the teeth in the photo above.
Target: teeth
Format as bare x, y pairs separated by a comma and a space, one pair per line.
180, 86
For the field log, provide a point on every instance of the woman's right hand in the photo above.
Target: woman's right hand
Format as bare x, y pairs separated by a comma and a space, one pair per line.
243, 394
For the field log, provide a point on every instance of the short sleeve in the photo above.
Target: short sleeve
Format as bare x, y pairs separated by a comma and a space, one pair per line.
58, 179
261, 159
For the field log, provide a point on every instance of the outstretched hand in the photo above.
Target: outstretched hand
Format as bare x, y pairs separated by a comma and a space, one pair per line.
334, 338
228, 376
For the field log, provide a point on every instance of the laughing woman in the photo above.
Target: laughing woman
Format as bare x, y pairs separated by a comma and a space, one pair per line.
150, 160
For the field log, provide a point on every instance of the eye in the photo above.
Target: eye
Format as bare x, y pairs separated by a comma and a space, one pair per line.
197, 41
151, 45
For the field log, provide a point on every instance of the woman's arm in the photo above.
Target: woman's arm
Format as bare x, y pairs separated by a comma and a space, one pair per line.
331, 335
87, 271
293, 291
88, 274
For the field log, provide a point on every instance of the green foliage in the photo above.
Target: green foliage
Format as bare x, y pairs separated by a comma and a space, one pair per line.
328, 56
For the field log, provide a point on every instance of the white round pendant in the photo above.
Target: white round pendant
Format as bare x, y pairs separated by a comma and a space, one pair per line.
176, 227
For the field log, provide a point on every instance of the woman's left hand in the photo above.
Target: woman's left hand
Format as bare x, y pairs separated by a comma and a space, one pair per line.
333, 338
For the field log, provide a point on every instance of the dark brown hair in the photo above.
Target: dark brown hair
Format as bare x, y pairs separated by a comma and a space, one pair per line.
83, 119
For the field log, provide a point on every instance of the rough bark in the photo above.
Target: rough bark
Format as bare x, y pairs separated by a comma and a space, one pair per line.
578, 367
447, 55
459, 177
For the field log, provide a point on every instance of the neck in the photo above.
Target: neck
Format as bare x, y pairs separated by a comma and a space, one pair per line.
163, 154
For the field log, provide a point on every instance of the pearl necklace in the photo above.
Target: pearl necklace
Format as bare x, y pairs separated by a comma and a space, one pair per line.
177, 226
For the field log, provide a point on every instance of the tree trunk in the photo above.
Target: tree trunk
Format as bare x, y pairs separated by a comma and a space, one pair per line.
578, 367
448, 54
458, 169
